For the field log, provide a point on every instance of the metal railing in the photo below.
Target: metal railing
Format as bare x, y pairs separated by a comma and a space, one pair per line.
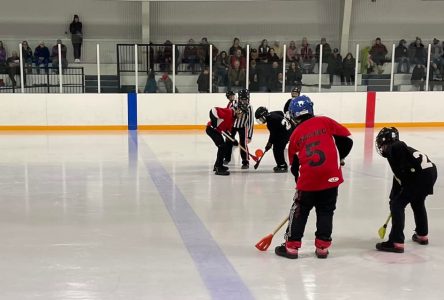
44, 79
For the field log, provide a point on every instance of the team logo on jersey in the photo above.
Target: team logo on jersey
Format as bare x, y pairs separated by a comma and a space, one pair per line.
333, 179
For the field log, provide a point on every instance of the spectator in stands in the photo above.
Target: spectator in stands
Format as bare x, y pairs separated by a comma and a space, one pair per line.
402, 57
277, 49
254, 55
151, 85
326, 50
236, 46
335, 66
165, 56
378, 53
294, 76
13, 66
272, 56
264, 51
55, 55
365, 60
273, 76
203, 52
276, 83
27, 57
253, 77
76, 37
417, 52
418, 76
41, 56
203, 81
165, 84
3, 68
236, 76
348, 69
435, 76
190, 56
436, 52
238, 57
292, 52
222, 66
307, 58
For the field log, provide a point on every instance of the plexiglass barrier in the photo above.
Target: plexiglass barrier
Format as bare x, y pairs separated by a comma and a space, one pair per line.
203, 68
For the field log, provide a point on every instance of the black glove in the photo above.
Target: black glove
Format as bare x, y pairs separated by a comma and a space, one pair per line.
235, 142
268, 146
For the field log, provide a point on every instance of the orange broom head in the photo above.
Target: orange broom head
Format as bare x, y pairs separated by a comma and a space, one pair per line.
263, 244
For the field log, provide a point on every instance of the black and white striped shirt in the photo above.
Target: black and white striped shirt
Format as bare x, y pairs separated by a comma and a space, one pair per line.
247, 121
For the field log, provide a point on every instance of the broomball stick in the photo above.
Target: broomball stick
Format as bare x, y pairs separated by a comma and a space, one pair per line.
265, 242
255, 158
381, 231
256, 165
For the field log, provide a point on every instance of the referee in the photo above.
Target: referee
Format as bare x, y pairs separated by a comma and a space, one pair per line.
242, 125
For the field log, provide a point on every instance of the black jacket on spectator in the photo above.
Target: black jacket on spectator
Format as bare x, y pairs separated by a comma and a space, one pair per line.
294, 77
348, 66
203, 82
334, 64
326, 51
401, 51
418, 73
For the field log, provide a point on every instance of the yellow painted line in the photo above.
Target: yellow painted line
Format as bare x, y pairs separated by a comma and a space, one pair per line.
64, 127
191, 127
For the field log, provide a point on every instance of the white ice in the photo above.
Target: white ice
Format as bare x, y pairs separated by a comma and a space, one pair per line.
82, 216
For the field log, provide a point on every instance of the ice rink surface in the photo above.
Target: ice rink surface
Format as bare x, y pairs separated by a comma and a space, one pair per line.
141, 216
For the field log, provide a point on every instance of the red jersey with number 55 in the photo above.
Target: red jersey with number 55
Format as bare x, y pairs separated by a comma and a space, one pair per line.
313, 143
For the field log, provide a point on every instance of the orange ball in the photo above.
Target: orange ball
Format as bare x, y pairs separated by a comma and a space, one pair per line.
259, 153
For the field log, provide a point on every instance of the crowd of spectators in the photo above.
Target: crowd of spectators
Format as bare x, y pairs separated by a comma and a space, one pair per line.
265, 73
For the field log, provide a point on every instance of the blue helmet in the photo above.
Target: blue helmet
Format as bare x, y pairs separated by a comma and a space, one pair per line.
300, 106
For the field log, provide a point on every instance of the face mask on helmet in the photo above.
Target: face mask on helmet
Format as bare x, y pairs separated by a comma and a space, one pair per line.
261, 115
385, 137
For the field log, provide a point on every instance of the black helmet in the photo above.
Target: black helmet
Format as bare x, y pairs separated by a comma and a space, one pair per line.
244, 94
387, 135
229, 93
296, 89
261, 114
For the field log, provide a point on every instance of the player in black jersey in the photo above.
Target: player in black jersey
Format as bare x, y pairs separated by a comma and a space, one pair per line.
231, 96
280, 131
414, 177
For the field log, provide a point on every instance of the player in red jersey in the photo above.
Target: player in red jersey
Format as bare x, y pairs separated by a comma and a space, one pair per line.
316, 147
221, 120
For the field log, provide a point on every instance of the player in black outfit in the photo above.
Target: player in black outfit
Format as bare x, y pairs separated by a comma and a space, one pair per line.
414, 177
295, 92
280, 131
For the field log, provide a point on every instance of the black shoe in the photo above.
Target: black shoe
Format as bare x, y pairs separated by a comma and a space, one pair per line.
390, 247
282, 251
220, 171
245, 165
280, 169
422, 240
221, 167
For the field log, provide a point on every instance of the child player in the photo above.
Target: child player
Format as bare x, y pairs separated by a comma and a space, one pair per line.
280, 131
221, 120
414, 177
316, 147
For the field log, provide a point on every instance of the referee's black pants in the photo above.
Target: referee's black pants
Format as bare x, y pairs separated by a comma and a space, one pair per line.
242, 142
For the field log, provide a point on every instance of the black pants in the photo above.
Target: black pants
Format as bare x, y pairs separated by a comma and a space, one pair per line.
278, 153
414, 193
325, 203
242, 142
77, 50
220, 144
